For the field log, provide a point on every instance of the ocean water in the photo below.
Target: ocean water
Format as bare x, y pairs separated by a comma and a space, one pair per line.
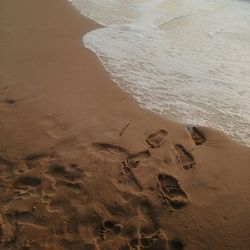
188, 60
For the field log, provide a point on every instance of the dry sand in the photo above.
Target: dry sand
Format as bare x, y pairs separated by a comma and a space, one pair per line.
83, 167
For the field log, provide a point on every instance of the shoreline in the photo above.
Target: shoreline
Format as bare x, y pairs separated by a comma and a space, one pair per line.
214, 130
128, 60
84, 167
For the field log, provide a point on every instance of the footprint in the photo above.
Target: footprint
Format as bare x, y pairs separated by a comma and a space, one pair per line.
34, 160
61, 204
196, 135
10, 102
156, 139
148, 211
28, 181
35, 157
111, 148
184, 157
60, 228
75, 244
12, 236
153, 242
72, 185
66, 178
5, 163
127, 171
1, 233
172, 191
8, 232
59, 171
134, 243
109, 227
21, 216
72, 226
130, 231
134, 160
143, 239
146, 241
116, 209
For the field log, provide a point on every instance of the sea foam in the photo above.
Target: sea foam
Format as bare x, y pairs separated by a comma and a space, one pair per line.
187, 60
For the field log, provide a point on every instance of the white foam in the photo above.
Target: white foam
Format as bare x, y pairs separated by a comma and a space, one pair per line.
188, 60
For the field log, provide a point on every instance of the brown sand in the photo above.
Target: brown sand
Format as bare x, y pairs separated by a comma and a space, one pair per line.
83, 167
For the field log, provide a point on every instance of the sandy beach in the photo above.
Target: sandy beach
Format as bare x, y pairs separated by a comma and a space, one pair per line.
82, 166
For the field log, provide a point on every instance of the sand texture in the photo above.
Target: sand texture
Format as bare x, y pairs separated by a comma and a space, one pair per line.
82, 166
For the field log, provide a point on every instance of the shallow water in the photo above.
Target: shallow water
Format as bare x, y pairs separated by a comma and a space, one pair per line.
187, 60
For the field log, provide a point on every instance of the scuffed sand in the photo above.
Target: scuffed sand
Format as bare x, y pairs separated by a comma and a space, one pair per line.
83, 167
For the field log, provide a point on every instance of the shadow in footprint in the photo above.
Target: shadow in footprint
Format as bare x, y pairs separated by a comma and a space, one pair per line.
21, 216
196, 135
35, 157
127, 171
59, 171
73, 226
134, 243
172, 191
12, 237
134, 159
184, 157
75, 244
153, 242
109, 227
147, 241
61, 204
111, 148
156, 139
28, 181
116, 209
11, 102
1, 234
5, 163
148, 211
34, 160
176, 245
72, 185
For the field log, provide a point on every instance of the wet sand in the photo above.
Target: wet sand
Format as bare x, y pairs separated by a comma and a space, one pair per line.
82, 166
